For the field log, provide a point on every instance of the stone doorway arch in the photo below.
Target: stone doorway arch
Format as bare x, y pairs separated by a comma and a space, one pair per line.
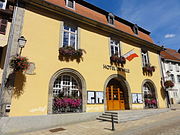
115, 82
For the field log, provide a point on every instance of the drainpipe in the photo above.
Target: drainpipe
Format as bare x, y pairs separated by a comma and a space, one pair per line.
163, 80
7, 59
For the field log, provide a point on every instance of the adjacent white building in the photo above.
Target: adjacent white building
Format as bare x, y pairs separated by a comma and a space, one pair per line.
171, 70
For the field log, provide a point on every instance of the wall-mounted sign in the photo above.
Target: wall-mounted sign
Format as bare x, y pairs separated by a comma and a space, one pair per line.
137, 98
95, 97
31, 69
91, 97
110, 67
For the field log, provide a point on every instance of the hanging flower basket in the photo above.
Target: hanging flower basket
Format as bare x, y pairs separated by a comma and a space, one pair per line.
168, 84
19, 63
118, 60
69, 51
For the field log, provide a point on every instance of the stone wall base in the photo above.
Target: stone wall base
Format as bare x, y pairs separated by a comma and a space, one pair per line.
15, 125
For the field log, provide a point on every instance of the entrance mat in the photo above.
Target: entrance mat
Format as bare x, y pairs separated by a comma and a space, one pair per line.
57, 130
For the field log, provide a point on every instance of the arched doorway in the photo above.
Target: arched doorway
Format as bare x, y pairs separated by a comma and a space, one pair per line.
67, 92
149, 95
117, 97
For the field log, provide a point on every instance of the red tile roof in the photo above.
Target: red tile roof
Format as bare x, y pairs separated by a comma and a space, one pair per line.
170, 54
99, 15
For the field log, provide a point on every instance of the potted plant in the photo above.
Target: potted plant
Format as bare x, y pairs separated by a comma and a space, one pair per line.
19, 63
69, 51
117, 60
168, 84
148, 68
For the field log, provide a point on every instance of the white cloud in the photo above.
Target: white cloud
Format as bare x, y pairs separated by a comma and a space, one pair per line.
169, 35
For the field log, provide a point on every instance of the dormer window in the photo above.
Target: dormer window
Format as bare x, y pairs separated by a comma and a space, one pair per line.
3, 4
70, 4
135, 29
111, 19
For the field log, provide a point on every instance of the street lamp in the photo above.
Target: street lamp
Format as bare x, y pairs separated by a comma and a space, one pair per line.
21, 41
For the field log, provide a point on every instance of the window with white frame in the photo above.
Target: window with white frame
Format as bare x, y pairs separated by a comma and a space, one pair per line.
111, 18
175, 94
135, 29
70, 4
172, 78
170, 66
177, 68
66, 86
178, 78
70, 36
145, 57
3, 4
115, 47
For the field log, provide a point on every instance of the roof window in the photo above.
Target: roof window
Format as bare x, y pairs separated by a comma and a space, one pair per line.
70, 4
135, 29
111, 18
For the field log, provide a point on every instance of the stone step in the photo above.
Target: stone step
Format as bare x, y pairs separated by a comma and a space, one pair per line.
111, 112
129, 115
107, 114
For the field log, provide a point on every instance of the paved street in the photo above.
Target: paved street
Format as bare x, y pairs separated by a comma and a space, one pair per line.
167, 123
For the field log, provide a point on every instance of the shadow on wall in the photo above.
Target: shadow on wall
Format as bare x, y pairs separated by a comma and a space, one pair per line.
163, 93
19, 84
162, 90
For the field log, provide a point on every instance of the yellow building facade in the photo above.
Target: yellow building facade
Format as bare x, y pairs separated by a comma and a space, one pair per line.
99, 83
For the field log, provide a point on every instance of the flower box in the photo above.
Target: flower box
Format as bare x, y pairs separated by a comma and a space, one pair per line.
67, 105
118, 60
69, 51
150, 103
148, 68
19, 63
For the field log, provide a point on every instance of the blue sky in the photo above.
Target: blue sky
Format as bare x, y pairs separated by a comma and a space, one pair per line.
160, 17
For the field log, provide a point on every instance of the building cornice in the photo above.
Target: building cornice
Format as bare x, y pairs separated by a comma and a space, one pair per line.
75, 16
171, 60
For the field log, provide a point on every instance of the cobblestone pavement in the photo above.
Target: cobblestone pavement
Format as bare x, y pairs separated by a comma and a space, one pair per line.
167, 123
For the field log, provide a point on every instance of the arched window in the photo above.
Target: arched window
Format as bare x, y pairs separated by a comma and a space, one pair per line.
149, 95
66, 86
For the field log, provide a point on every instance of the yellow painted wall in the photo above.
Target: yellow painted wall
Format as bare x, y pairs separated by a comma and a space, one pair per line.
43, 36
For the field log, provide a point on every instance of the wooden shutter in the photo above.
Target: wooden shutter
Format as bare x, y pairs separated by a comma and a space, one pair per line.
3, 25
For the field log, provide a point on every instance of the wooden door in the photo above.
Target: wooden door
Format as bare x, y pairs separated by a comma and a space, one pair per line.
115, 98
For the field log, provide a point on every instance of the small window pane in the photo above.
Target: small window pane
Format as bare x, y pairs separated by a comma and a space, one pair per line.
72, 40
66, 27
1, 5
66, 37
112, 50
116, 50
73, 29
